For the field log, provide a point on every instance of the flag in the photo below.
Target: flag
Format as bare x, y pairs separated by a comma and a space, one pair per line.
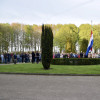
90, 44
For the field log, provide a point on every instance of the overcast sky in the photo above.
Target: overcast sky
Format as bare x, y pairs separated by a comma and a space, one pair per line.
50, 11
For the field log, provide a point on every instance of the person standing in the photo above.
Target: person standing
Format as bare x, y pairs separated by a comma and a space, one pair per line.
53, 55
26, 57
30, 57
15, 58
8, 56
23, 56
33, 57
18, 58
40, 57
11, 57
37, 57
5, 57
2, 58
81, 55
71, 55
58, 55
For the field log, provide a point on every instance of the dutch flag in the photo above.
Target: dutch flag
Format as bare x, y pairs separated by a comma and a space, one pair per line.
90, 44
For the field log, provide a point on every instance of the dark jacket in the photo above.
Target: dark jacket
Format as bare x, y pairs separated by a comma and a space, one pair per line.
15, 56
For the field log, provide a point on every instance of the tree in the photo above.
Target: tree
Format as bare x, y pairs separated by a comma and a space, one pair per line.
15, 36
5, 37
36, 36
85, 33
66, 38
83, 46
47, 46
96, 36
28, 31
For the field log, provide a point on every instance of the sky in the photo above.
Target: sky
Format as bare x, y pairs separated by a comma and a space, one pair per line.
50, 11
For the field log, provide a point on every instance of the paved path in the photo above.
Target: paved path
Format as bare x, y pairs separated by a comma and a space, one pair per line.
34, 87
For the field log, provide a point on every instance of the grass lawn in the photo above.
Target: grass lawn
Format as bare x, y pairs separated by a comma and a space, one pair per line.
55, 69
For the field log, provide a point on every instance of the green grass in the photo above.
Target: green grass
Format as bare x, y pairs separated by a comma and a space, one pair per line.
55, 69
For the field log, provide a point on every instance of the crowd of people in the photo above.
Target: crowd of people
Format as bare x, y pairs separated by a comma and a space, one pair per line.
74, 55
20, 57
26, 57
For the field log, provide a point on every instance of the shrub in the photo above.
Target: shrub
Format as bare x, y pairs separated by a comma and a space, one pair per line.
75, 61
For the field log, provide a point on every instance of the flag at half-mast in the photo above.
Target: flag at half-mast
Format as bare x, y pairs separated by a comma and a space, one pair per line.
90, 44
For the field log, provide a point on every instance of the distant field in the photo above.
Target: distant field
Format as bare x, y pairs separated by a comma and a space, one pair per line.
54, 69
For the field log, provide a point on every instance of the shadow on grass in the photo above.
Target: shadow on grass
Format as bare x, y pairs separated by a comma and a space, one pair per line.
47, 69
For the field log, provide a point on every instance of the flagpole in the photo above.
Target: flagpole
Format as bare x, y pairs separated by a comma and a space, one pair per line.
92, 31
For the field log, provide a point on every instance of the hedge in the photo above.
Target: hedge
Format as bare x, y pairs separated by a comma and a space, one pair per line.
75, 61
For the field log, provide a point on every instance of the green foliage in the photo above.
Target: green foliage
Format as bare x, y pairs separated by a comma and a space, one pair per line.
66, 34
76, 61
5, 37
17, 37
85, 33
28, 31
96, 35
84, 45
47, 46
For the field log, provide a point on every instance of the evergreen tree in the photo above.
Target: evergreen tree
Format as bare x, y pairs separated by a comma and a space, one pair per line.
47, 46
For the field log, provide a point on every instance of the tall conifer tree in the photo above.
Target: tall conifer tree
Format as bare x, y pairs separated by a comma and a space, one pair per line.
47, 46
